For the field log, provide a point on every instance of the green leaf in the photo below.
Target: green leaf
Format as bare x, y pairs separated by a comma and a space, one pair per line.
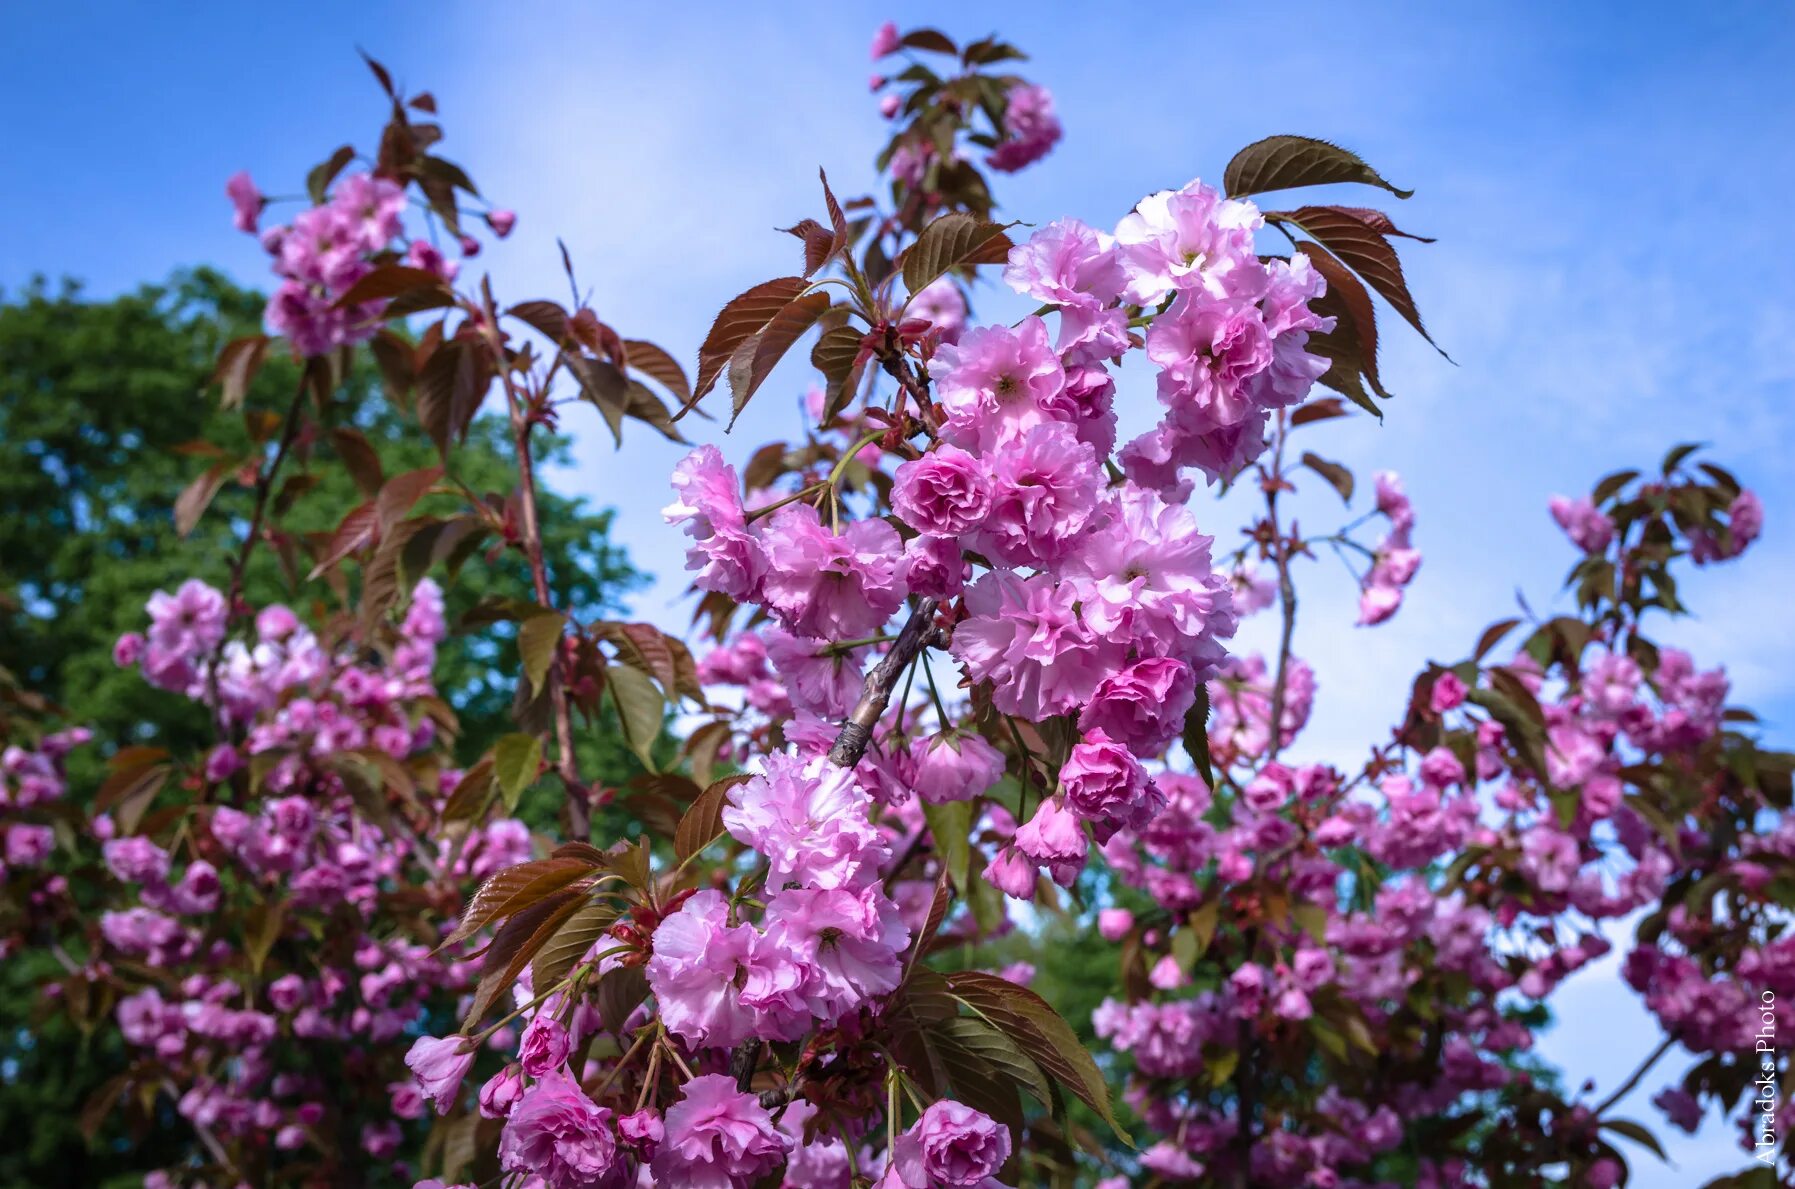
538, 638
1287, 162
1196, 735
953, 241
950, 825
515, 758
640, 709
1039, 1031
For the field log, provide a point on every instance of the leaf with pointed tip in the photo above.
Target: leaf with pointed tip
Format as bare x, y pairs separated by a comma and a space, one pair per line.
953, 241
1287, 162
546, 318
1196, 735
640, 709
640, 402
1040, 1032
658, 365
538, 638
742, 318
361, 459
516, 888
702, 823
317, 182
517, 943
569, 945
389, 280
237, 366
355, 531
1366, 252
770, 344
837, 356
932, 40
515, 759
1349, 304
401, 493
197, 496
1337, 476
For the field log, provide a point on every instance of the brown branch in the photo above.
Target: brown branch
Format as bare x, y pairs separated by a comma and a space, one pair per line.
579, 799
1645, 1066
857, 732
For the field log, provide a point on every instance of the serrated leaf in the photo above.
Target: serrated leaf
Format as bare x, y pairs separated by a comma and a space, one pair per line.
655, 363
770, 344
1196, 735
538, 639
516, 944
1287, 162
1353, 341
953, 241
640, 709
514, 889
836, 355
515, 759
1039, 1032
1366, 252
739, 320
702, 822
569, 945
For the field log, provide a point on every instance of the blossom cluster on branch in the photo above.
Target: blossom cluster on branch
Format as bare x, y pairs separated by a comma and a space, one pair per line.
967, 670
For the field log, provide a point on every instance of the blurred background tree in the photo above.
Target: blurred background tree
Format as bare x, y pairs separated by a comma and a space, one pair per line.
99, 403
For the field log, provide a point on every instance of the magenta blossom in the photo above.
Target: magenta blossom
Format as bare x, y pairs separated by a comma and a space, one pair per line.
717, 1137
557, 1133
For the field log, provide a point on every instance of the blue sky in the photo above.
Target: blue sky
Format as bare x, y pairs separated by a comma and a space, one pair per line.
1608, 184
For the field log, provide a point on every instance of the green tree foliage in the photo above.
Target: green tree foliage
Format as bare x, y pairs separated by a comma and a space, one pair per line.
102, 403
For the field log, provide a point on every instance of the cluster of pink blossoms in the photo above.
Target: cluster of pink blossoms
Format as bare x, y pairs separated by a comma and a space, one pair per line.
31, 779
329, 247
237, 1045
1395, 560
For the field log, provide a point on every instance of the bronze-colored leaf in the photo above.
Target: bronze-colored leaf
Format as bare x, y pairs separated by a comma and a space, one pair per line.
702, 823
197, 496
658, 365
1287, 162
515, 760
770, 345
569, 944
739, 320
389, 280
516, 888
237, 366
953, 241
1366, 252
1338, 476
